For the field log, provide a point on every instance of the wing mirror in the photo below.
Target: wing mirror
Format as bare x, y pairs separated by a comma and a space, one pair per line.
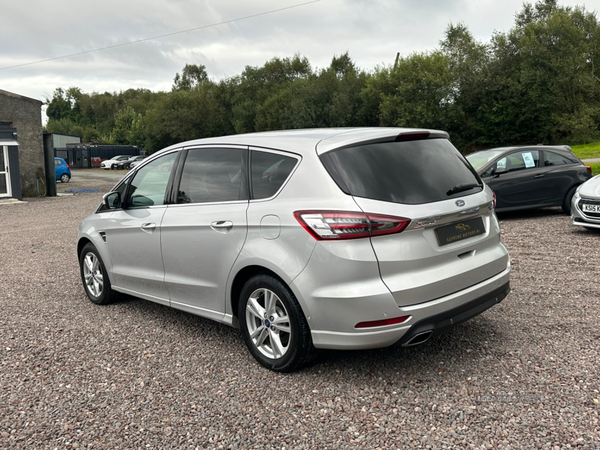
500, 170
112, 200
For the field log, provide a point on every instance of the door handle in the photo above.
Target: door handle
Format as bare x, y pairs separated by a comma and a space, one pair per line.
148, 227
541, 175
222, 226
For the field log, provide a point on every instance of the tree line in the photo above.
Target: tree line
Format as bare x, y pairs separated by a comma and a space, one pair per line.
537, 83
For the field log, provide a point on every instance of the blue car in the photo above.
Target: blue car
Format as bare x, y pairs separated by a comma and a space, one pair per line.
61, 168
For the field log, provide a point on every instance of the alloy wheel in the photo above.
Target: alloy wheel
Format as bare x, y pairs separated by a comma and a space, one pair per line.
92, 273
268, 323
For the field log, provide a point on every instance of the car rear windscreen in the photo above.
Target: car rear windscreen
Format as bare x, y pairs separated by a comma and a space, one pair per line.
411, 172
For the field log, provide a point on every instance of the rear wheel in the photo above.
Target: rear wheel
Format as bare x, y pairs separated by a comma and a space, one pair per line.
64, 178
273, 324
94, 277
566, 206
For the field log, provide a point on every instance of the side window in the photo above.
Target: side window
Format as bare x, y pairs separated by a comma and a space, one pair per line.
269, 171
57, 162
554, 159
149, 185
213, 175
526, 159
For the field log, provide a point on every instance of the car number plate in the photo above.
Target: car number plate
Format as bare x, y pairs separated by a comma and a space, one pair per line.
459, 230
591, 208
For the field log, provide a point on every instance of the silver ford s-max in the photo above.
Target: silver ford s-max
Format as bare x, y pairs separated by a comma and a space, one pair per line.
306, 239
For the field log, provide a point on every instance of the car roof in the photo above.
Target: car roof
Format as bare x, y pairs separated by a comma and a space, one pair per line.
560, 148
305, 141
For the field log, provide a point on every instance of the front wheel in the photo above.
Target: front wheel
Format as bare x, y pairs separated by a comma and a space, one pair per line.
566, 206
273, 324
94, 277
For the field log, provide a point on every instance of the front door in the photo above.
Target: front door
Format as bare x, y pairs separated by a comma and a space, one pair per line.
5, 190
133, 233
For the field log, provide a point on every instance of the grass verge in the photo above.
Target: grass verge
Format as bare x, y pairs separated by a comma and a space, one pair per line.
587, 151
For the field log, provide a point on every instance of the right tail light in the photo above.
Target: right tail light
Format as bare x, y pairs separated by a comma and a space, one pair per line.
335, 225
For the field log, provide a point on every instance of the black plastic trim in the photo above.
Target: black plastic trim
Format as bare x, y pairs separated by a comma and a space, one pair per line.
455, 316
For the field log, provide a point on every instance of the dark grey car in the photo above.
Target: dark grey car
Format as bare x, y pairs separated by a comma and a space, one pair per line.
531, 177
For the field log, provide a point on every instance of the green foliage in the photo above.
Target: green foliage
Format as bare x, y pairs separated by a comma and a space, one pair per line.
587, 151
538, 82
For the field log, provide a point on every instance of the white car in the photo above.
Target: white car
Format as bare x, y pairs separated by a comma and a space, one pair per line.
111, 163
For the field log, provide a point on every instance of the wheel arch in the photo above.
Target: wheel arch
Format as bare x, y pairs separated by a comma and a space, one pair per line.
240, 280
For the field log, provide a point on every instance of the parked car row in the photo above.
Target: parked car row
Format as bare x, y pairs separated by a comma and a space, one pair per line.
326, 238
120, 162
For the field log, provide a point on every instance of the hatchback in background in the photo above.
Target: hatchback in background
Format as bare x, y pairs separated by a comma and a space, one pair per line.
62, 170
531, 177
112, 162
306, 239
585, 207
126, 164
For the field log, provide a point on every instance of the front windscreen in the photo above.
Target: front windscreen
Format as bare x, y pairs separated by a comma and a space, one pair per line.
480, 159
411, 172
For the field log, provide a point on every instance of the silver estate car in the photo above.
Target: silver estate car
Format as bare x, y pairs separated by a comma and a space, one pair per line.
585, 205
306, 239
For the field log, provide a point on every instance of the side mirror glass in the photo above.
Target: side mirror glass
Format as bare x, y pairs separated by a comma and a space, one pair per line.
112, 200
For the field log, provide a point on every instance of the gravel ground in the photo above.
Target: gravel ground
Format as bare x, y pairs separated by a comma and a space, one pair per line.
137, 375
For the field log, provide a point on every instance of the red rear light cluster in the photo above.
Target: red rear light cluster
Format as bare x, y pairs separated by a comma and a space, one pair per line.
335, 225
589, 168
381, 323
494, 200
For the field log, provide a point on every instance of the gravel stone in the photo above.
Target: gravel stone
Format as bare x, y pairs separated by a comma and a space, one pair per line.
138, 375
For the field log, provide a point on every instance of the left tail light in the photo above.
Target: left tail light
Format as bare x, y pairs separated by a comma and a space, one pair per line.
589, 168
335, 225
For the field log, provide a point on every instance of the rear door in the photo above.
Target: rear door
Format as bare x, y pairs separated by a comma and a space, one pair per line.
203, 234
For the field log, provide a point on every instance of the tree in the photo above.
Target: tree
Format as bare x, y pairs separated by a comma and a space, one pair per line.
191, 76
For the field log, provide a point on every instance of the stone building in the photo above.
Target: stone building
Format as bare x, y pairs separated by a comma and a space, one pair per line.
21, 140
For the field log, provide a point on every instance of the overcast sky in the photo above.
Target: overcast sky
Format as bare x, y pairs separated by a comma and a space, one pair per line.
228, 36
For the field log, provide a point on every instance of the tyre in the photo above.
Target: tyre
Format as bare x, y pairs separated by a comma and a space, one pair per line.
64, 178
273, 325
566, 206
94, 277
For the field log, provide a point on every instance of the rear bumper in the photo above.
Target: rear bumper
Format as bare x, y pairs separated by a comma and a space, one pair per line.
435, 316
440, 322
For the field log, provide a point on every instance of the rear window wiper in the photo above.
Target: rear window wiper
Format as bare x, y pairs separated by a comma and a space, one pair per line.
462, 187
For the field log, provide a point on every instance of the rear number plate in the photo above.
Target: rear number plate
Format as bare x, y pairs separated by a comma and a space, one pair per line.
591, 208
459, 231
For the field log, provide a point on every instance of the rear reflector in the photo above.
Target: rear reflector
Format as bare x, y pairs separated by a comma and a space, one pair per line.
381, 323
329, 225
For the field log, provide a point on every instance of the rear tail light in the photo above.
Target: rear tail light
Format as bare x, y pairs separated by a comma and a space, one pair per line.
332, 225
589, 168
494, 200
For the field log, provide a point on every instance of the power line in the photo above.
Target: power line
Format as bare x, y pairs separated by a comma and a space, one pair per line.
160, 36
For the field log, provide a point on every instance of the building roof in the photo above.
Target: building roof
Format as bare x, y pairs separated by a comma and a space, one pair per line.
20, 97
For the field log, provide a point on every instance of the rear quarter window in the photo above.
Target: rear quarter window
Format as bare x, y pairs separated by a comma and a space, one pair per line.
411, 172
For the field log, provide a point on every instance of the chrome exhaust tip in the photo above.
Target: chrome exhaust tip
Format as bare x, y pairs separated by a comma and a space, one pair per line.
419, 338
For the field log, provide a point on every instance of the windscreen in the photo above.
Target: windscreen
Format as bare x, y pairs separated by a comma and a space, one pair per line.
480, 159
411, 172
